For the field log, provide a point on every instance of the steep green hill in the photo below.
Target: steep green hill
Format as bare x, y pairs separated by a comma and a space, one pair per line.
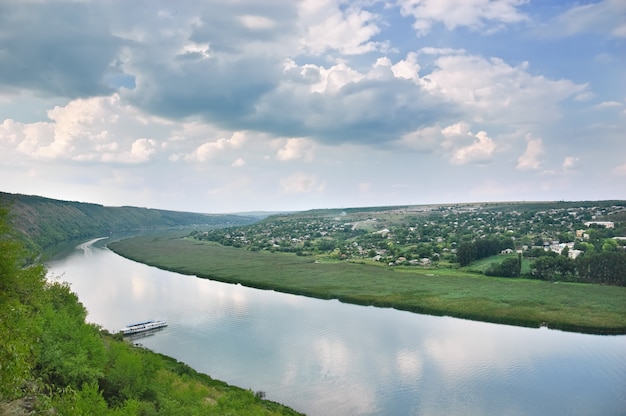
53, 363
43, 222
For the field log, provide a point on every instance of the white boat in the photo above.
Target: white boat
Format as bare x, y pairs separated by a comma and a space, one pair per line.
142, 327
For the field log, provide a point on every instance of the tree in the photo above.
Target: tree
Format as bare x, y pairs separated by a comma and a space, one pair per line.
543, 268
326, 244
609, 245
20, 300
588, 248
509, 267
466, 253
604, 267
71, 352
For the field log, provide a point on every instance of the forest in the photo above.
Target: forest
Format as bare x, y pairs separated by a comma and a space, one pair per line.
43, 223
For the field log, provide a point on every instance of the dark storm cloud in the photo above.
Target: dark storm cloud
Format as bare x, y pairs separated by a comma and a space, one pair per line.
63, 49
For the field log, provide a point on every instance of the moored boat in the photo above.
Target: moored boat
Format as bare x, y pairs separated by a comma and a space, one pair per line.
142, 326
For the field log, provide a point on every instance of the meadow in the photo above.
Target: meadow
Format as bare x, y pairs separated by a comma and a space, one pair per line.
575, 307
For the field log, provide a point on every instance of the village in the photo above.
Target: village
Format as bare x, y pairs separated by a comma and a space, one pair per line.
430, 236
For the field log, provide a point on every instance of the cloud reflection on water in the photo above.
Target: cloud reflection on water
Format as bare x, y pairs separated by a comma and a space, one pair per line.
326, 357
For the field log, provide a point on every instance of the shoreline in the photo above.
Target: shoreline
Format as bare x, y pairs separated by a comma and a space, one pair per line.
572, 307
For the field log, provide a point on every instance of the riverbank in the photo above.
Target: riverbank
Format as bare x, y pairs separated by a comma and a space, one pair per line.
54, 362
582, 308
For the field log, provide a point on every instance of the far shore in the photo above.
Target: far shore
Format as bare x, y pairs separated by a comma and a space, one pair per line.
584, 308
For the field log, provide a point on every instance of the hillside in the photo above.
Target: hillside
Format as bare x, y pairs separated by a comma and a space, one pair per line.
43, 222
53, 363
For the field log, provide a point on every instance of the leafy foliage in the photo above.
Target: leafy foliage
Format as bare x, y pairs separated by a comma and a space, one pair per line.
509, 267
20, 302
70, 352
604, 267
481, 248
69, 367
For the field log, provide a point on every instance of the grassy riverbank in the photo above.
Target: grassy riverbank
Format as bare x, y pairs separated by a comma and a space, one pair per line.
573, 307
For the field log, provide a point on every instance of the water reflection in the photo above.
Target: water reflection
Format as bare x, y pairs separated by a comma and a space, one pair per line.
324, 357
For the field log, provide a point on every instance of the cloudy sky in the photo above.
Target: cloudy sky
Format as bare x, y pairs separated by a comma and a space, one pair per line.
247, 105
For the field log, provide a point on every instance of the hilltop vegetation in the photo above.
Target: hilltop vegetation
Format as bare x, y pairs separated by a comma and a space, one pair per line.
52, 362
44, 222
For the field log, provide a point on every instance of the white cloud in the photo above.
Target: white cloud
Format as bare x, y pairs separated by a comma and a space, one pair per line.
93, 129
140, 151
422, 140
331, 80
239, 163
201, 50
570, 162
429, 50
456, 141
487, 15
407, 68
257, 22
606, 17
529, 160
209, 150
608, 104
334, 25
480, 151
301, 183
459, 129
493, 91
584, 96
295, 149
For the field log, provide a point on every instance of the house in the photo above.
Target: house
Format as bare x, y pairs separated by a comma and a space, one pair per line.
605, 224
400, 260
506, 251
572, 254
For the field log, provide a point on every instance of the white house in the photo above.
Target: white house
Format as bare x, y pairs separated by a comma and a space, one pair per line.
572, 254
606, 224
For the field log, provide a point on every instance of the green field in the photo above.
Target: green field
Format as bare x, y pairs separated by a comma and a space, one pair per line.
567, 306
480, 266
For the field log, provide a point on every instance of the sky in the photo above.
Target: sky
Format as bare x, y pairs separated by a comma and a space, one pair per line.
235, 106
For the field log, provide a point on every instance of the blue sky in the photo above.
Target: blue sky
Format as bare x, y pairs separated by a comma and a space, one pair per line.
221, 106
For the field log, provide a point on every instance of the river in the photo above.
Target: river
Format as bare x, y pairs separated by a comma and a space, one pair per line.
328, 358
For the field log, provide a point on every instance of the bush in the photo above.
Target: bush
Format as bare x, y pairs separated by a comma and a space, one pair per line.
510, 267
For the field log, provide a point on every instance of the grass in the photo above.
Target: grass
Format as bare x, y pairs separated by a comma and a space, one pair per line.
567, 306
479, 266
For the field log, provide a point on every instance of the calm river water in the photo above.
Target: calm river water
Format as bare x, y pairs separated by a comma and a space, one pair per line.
328, 358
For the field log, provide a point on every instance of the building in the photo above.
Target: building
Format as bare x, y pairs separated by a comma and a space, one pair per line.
605, 224
572, 254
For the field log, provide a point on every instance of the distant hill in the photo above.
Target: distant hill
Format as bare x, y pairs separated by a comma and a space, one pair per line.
44, 222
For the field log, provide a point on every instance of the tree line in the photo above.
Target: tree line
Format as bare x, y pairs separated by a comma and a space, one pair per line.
468, 252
